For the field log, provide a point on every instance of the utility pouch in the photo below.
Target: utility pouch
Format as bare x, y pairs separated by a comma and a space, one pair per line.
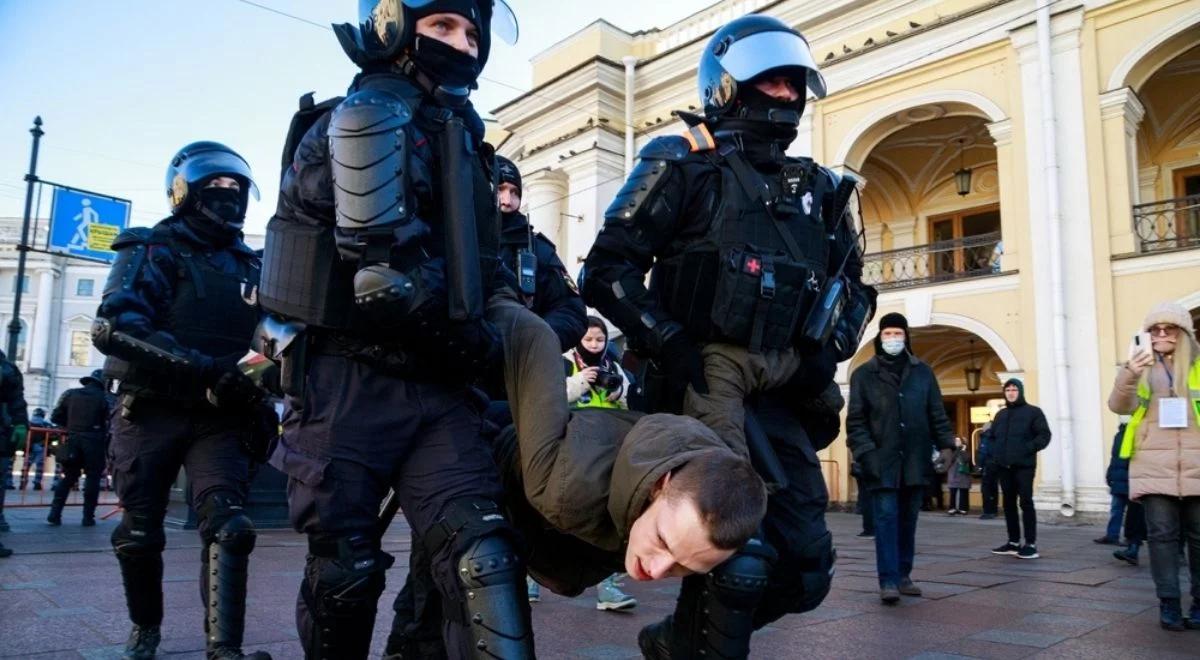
756, 303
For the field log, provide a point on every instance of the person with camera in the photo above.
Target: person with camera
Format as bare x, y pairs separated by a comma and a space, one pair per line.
595, 380
750, 248
1160, 387
177, 314
895, 418
83, 411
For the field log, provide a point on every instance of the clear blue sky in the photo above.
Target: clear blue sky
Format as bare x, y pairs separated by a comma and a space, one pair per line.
122, 84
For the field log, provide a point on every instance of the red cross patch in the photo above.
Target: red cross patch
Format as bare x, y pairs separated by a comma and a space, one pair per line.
753, 265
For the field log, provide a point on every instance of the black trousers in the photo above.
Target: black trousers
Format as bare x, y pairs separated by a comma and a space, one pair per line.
1135, 522
989, 488
89, 460
1017, 485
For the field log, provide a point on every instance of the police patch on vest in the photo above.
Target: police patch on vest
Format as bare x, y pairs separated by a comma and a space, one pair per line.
570, 283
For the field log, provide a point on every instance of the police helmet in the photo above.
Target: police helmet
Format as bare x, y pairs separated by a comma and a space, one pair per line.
386, 27
752, 47
198, 163
507, 172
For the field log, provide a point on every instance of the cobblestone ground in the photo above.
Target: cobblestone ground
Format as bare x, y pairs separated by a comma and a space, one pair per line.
60, 597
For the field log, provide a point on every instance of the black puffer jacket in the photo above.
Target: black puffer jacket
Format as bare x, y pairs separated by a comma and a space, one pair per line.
1019, 432
901, 425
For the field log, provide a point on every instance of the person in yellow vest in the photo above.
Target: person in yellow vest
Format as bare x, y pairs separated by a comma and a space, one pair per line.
1160, 387
594, 379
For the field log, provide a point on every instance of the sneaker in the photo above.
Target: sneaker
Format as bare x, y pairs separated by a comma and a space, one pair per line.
866, 535
610, 597
1107, 540
889, 594
952, 512
908, 588
1009, 548
1028, 551
142, 643
534, 590
53, 520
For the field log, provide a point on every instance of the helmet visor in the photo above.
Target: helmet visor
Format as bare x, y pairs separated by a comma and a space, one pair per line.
209, 164
758, 53
504, 21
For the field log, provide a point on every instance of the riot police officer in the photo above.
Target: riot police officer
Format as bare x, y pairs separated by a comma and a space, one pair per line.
177, 313
383, 251
546, 289
756, 277
83, 412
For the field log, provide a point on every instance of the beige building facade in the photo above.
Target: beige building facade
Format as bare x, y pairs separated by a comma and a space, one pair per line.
1030, 168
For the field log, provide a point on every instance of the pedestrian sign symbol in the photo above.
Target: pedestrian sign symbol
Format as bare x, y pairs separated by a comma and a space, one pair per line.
85, 224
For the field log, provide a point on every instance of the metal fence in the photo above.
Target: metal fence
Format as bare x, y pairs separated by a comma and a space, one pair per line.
943, 261
1168, 224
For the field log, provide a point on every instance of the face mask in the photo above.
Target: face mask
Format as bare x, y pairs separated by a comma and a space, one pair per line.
893, 346
444, 64
222, 204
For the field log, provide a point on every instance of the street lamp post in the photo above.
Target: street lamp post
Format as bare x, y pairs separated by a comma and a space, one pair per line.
14, 326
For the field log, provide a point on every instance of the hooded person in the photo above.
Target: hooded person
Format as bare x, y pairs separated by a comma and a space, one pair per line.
895, 419
1019, 431
1159, 386
83, 412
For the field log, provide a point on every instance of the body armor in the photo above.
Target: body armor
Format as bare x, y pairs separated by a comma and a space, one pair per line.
753, 276
212, 312
87, 411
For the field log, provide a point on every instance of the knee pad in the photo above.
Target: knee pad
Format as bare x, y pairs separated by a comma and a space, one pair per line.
139, 535
739, 582
488, 562
224, 521
800, 583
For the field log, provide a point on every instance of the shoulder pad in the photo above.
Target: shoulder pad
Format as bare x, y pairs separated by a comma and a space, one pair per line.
369, 112
132, 236
667, 147
642, 184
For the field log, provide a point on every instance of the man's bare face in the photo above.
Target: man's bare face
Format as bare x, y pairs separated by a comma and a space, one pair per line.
452, 29
1011, 393
669, 540
509, 197
779, 88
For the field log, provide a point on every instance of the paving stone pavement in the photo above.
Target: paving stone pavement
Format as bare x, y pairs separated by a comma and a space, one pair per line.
60, 597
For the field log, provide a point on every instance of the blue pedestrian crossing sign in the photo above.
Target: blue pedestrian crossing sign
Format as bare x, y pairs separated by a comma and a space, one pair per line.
84, 224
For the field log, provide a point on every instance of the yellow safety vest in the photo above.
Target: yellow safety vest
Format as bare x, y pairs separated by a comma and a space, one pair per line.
595, 397
1143, 393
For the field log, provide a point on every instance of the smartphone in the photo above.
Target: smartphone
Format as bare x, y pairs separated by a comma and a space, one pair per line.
1141, 343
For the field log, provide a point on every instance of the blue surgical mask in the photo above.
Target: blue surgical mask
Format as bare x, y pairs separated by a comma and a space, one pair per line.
893, 346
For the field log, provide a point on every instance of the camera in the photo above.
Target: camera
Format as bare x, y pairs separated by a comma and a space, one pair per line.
609, 381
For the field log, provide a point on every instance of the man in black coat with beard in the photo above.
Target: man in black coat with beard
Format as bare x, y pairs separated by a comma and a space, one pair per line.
894, 419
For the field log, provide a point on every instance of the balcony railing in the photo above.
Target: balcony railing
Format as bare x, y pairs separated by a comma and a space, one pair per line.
1167, 225
943, 261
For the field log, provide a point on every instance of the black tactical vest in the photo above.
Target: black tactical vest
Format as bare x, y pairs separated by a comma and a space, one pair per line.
87, 411
213, 312
752, 278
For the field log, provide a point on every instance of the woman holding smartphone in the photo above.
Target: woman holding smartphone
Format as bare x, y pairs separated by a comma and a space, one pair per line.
1160, 387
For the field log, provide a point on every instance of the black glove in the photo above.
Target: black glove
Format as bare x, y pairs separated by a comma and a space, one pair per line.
681, 361
231, 389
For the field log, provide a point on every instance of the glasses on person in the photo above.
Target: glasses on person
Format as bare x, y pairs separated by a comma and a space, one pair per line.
1163, 330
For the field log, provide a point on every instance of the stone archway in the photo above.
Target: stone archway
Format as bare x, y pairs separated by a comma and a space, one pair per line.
1163, 46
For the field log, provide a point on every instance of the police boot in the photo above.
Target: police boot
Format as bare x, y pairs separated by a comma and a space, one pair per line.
226, 566
142, 644
91, 495
714, 616
56, 509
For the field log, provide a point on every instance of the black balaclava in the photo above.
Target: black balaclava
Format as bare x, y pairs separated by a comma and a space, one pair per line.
507, 172
589, 358
762, 126
441, 63
218, 214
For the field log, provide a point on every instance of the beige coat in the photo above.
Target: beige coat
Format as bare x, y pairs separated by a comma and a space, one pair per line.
1165, 461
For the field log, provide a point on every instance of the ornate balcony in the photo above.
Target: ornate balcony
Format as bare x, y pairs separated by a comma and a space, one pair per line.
1170, 224
935, 263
